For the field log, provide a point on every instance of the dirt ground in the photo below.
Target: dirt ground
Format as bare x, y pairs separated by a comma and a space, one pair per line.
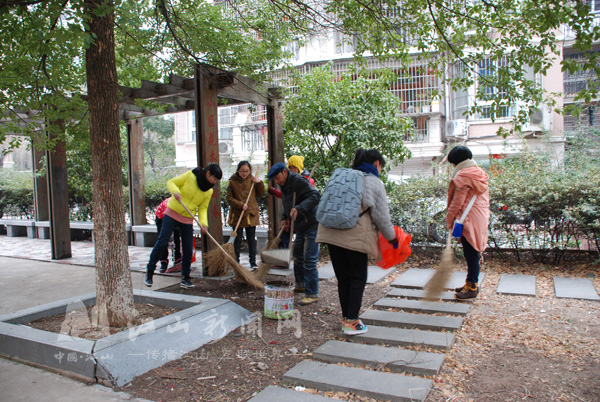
510, 348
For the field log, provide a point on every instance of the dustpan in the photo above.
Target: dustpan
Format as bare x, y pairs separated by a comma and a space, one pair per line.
280, 257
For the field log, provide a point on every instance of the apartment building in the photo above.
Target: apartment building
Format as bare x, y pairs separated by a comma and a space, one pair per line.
439, 123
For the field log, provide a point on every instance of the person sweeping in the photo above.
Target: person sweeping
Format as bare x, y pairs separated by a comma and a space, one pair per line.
350, 245
466, 181
242, 191
194, 189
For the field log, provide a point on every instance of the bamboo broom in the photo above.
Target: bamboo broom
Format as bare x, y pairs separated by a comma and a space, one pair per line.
217, 265
264, 268
437, 283
243, 273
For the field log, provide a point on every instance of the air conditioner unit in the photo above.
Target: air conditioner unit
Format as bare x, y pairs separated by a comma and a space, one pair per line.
540, 119
225, 148
456, 128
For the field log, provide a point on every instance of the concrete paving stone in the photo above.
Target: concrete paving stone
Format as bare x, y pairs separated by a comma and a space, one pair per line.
411, 320
326, 272
21, 383
423, 306
278, 394
575, 288
519, 285
372, 384
395, 359
374, 273
417, 278
414, 278
402, 337
420, 294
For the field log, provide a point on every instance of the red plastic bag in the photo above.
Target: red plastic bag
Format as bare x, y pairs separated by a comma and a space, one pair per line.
391, 256
194, 251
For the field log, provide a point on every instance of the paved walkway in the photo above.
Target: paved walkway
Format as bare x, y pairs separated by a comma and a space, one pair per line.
399, 325
28, 279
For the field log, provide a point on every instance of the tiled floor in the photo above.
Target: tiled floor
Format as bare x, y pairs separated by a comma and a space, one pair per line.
83, 253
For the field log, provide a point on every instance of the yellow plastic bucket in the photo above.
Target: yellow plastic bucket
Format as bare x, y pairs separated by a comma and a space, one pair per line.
279, 300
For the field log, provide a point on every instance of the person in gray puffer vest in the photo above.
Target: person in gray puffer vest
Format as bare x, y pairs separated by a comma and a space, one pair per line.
350, 249
306, 250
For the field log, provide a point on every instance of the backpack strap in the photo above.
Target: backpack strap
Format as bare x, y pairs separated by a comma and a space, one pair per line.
363, 198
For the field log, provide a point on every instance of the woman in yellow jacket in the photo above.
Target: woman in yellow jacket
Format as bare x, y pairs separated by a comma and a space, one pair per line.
194, 188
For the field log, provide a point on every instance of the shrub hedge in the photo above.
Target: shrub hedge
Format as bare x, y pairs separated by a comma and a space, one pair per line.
536, 208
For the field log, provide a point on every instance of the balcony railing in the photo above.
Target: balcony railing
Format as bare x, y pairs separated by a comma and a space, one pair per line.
570, 34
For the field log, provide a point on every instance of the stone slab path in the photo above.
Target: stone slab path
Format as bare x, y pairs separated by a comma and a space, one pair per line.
417, 278
374, 273
373, 384
575, 288
375, 363
518, 285
419, 306
397, 360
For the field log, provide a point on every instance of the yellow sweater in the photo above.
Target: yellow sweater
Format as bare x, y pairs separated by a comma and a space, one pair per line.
193, 198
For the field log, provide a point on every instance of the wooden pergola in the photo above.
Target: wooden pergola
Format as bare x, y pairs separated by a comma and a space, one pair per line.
203, 93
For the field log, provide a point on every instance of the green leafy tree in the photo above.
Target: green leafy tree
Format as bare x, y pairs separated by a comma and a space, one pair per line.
502, 46
159, 148
328, 118
54, 51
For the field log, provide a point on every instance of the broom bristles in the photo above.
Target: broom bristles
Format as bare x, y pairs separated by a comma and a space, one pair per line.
246, 276
217, 265
262, 271
437, 284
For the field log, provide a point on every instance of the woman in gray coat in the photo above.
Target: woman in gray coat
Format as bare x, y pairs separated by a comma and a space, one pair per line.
350, 248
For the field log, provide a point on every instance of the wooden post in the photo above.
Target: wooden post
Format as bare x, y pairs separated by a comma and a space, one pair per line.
207, 148
40, 185
58, 199
135, 153
276, 154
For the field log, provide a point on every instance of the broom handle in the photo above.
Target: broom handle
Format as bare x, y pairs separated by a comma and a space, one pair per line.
313, 170
280, 233
234, 233
230, 258
292, 224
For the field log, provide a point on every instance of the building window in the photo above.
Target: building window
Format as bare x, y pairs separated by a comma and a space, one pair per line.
252, 138
344, 43
420, 130
488, 89
580, 79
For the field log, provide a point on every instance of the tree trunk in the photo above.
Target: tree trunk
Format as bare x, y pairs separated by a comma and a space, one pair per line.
114, 294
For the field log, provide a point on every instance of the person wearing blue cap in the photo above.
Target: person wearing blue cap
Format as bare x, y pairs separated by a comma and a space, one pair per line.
306, 250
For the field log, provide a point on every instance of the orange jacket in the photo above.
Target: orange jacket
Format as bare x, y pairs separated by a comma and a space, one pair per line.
468, 182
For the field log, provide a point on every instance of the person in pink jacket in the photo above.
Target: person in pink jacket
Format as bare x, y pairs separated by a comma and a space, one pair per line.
468, 180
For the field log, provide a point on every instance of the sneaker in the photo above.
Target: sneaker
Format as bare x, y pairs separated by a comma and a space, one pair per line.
354, 327
187, 284
468, 292
308, 300
163, 266
253, 266
148, 280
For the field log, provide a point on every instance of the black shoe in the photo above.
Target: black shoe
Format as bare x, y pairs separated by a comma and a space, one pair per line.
148, 279
163, 266
187, 284
468, 292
